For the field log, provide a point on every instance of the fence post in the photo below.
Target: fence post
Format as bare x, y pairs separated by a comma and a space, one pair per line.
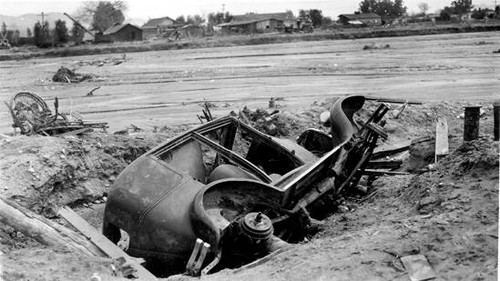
496, 119
471, 122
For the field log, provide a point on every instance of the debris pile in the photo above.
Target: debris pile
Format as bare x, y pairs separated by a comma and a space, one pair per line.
269, 123
374, 46
32, 115
65, 75
207, 115
102, 62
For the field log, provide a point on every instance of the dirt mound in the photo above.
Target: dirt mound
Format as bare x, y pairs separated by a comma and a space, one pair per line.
478, 157
43, 172
472, 160
66, 75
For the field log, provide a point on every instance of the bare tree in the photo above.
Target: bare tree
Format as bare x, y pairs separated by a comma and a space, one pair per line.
424, 7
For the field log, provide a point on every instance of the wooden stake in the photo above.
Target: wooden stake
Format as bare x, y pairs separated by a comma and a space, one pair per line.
442, 147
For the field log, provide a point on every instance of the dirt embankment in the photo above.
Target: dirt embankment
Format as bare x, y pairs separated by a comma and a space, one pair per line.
46, 172
243, 40
448, 213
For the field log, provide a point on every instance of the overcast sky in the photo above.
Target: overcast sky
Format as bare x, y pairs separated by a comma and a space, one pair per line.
145, 9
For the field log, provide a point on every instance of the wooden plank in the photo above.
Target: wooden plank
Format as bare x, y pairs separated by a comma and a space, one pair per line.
391, 100
44, 230
108, 247
418, 268
380, 164
388, 152
442, 147
76, 132
369, 172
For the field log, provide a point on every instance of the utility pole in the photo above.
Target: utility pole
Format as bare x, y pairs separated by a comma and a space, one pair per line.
224, 5
43, 20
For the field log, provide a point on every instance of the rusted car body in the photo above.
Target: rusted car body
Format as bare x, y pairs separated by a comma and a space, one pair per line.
241, 192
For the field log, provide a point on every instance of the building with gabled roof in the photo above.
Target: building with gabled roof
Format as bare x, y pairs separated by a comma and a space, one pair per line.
120, 32
156, 27
368, 19
257, 23
255, 17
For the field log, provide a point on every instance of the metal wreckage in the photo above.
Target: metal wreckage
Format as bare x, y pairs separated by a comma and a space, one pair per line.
224, 194
31, 114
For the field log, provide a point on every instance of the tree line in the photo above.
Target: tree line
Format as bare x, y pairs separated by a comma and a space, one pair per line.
43, 36
105, 14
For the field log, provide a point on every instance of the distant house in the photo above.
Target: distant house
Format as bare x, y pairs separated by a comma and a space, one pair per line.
157, 27
367, 19
461, 17
191, 31
257, 23
432, 17
120, 32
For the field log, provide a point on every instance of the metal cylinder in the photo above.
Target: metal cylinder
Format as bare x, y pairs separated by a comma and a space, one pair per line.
471, 122
496, 119
257, 226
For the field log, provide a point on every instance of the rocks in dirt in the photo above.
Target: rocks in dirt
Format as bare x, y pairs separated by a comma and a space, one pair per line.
427, 204
66, 75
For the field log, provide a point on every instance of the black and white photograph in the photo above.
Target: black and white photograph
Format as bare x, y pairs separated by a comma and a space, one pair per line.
249, 140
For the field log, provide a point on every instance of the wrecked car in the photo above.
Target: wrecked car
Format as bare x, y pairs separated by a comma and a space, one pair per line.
224, 194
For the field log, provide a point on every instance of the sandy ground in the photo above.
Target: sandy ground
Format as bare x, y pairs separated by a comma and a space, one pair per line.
166, 87
448, 214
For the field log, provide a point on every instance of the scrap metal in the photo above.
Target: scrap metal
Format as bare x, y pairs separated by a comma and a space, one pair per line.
32, 115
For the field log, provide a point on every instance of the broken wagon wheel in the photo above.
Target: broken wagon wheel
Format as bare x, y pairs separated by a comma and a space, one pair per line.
29, 111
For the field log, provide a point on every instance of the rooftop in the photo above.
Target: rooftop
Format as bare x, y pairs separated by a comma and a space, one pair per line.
251, 17
361, 16
153, 23
116, 28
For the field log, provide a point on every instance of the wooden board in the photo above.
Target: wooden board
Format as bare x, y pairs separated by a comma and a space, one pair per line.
442, 148
392, 100
44, 230
108, 247
381, 164
379, 173
388, 152
418, 268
